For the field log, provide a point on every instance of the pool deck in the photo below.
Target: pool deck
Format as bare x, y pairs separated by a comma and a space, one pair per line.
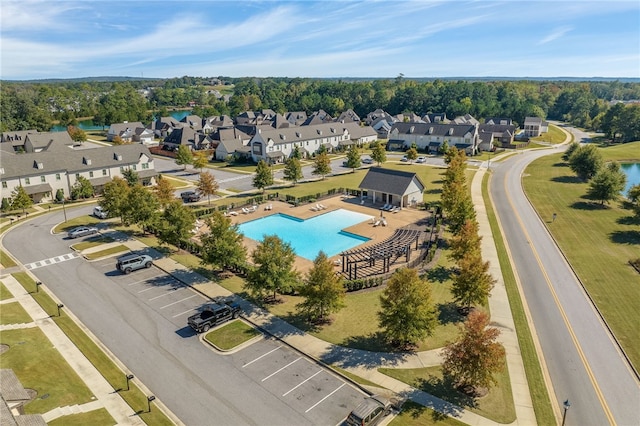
405, 217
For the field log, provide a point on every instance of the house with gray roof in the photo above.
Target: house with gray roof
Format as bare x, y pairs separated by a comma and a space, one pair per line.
230, 142
502, 133
163, 126
435, 117
395, 187
535, 126
42, 174
125, 130
193, 121
348, 116
318, 117
381, 122
34, 141
465, 119
297, 118
13, 396
429, 137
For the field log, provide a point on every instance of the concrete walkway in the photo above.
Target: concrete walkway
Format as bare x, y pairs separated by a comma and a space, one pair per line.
101, 389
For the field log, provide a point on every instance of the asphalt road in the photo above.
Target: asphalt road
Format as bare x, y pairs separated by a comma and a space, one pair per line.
584, 363
141, 318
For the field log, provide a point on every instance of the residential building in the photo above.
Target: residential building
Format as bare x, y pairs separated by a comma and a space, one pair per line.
395, 187
429, 137
535, 126
34, 141
125, 130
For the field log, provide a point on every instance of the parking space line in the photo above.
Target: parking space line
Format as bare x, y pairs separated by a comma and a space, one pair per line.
141, 281
166, 294
182, 300
182, 313
318, 403
147, 289
274, 373
261, 356
300, 384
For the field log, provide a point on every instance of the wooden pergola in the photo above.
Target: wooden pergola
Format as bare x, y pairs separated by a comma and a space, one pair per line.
388, 251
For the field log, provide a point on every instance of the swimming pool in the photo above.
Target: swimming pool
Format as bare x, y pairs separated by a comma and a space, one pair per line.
307, 237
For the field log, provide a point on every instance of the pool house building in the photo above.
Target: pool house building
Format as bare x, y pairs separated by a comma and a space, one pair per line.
393, 187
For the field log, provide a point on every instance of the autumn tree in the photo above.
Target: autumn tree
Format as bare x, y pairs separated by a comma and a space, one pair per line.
466, 242
76, 134
586, 161
164, 191
379, 153
117, 140
273, 271
353, 158
207, 185
175, 223
411, 154
184, 156
471, 361
607, 184
323, 290
82, 188
322, 165
140, 208
222, 246
263, 176
114, 196
293, 170
407, 313
472, 282
20, 200
200, 160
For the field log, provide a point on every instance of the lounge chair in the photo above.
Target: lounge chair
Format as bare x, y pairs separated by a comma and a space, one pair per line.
377, 223
384, 207
384, 222
314, 208
388, 208
245, 210
395, 209
322, 207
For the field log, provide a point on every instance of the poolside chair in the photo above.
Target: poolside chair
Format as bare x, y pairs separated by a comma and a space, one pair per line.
384, 207
234, 213
388, 208
377, 223
384, 222
322, 207
245, 210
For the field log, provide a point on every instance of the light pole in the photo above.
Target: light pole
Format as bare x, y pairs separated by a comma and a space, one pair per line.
149, 399
60, 306
566, 406
38, 284
129, 377
64, 210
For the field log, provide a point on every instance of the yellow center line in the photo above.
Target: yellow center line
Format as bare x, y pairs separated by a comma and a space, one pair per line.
583, 358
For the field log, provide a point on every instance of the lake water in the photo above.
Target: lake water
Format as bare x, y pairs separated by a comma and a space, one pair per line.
632, 170
89, 125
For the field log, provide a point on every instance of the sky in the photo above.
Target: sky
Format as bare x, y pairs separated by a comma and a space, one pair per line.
324, 39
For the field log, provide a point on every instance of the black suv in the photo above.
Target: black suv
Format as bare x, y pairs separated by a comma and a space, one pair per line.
190, 196
213, 314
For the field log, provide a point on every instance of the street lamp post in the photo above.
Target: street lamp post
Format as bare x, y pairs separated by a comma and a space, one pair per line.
149, 399
38, 284
129, 377
60, 306
566, 406
64, 210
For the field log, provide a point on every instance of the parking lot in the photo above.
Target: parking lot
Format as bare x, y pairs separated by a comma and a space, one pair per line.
313, 391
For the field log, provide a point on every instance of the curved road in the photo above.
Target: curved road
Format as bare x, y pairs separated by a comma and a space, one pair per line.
584, 363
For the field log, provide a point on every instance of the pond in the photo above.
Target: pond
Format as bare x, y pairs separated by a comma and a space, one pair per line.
89, 125
632, 170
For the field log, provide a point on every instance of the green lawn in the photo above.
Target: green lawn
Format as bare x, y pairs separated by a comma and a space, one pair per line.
5, 293
597, 241
39, 366
6, 261
107, 252
231, 335
78, 221
177, 183
13, 313
92, 242
100, 417
414, 414
554, 135
497, 405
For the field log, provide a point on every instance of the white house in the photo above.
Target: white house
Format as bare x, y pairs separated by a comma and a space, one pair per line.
429, 137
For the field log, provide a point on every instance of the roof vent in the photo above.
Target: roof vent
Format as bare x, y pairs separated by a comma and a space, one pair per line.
430, 130
38, 165
117, 157
451, 131
412, 129
298, 134
283, 137
86, 161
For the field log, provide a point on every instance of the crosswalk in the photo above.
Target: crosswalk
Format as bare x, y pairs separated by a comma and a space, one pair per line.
51, 261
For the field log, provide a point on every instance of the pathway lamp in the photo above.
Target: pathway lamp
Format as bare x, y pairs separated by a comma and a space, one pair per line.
566, 406
149, 399
38, 284
128, 377
60, 306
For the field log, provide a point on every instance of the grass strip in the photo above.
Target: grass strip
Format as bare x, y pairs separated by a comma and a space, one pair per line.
13, 313
107, 252
96, 417
231, 335
92, 242
5, 293
359, 380
136, 399
537, 386
6, 261
414, 414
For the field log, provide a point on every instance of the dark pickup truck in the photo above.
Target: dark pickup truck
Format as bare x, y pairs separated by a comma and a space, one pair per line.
214, 314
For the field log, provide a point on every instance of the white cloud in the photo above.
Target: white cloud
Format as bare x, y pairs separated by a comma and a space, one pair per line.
554, 35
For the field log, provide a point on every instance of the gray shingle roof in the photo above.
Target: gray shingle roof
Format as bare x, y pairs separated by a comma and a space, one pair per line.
389, 181
432, 129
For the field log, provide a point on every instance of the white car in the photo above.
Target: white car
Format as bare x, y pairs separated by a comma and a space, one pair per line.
367, 160
405, 158
82, 231
421, 160
99, 212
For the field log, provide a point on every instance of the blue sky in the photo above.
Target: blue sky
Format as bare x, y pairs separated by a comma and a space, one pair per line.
166, 38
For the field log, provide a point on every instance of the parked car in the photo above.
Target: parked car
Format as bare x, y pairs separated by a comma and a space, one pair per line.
100, 213
133, 262
190, 196
405, 158
214, 314
367, 160
370, 411
82, 231
421, 160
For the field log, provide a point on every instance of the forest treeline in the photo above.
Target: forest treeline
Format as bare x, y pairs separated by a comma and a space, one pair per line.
585, 104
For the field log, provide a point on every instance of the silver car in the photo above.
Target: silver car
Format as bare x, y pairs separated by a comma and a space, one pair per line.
82, 231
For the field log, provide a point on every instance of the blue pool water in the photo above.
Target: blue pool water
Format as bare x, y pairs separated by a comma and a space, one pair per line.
307, 237
632, 170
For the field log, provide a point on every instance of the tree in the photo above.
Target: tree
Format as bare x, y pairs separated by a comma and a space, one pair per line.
131, 176
164, 191
607, 184
634, 197
570, 150
293, 170
586, 161
472, 282
175, 223
222, 246
466, 242
6, 204
407, 314
471, 361
76, 134
274, 271
263, 176
323, 290
322, 165
60, 195
117, 140
461, 211
20, 200
200, 160
353, 158
444, 148
379, 154
184, 156
207, 185
114, 197
412, 154
140, 207
82, 188
296, 153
